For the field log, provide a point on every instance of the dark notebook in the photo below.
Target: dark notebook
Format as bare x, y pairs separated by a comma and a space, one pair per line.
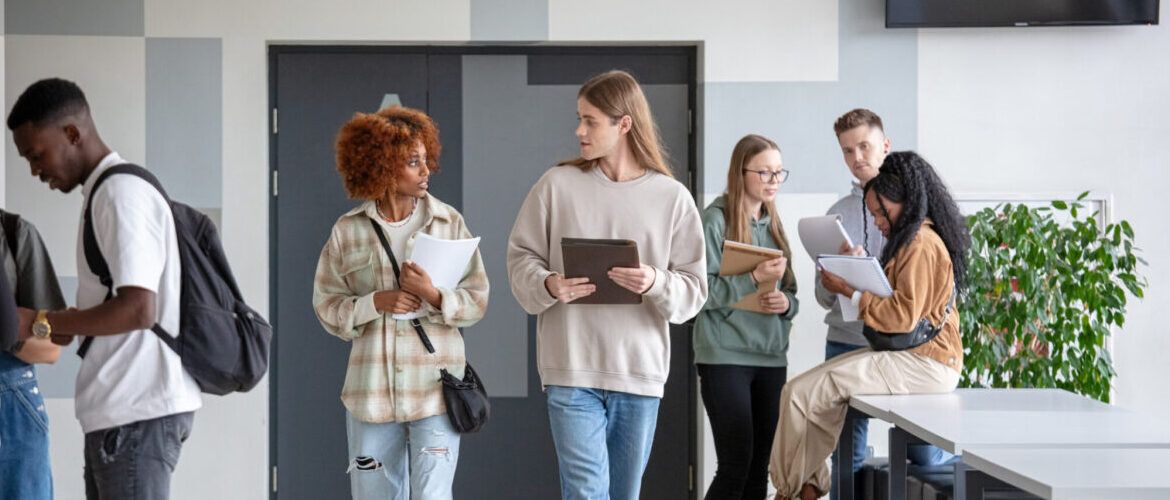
589, 258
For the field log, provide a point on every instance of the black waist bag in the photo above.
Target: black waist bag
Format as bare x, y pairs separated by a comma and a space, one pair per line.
467, 401
922, 333
222, 342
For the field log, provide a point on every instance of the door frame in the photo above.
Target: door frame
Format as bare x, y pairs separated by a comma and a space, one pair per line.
694, 183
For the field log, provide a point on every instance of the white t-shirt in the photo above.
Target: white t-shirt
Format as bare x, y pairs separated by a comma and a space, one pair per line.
132, 376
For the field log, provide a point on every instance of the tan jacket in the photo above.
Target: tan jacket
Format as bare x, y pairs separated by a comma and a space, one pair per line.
922, 277
391, 377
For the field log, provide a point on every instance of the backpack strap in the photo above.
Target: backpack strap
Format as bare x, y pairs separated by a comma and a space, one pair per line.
422, 334
11, 225
93, 254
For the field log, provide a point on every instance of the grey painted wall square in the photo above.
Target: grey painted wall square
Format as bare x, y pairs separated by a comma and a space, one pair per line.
878, 70
59, 379
510, 20
76, 18
184, 117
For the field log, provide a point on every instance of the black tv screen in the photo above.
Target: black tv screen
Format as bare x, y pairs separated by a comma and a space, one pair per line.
989, 13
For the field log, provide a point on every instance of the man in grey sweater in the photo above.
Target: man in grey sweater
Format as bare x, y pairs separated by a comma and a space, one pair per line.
864, 146
604, 366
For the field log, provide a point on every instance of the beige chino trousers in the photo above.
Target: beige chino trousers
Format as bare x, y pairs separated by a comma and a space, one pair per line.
813, 406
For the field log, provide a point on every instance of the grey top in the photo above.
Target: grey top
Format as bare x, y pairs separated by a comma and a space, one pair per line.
30, 272
858, 222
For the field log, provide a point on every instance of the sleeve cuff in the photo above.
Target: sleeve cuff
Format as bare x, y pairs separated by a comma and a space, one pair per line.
659, 286
364, 310
856, 298
543, 297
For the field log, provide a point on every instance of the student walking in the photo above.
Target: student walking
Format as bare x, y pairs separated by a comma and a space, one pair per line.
401, 442
603, 367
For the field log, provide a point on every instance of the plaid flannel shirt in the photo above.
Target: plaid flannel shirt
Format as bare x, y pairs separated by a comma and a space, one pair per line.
391, 377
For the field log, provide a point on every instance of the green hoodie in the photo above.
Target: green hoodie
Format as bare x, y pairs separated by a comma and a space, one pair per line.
729, 336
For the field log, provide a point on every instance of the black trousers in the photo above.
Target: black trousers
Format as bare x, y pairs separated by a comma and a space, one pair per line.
743, 404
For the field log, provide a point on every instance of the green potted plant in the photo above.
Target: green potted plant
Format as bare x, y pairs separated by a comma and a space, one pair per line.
1047, 286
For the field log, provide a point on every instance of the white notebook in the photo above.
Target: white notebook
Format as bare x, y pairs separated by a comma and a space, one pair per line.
862, 273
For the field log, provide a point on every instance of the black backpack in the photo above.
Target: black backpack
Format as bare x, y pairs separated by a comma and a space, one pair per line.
223, 342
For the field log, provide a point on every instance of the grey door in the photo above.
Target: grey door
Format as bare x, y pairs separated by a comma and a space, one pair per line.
505, 116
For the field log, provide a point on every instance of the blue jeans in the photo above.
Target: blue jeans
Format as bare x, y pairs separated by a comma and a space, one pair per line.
920, 454
402, 460
24, 433
603, 441
135, 461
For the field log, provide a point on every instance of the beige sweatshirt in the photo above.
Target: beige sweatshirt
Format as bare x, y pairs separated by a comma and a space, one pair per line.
622, 348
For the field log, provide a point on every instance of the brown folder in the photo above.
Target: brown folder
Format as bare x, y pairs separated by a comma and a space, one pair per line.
590, 258
740, 258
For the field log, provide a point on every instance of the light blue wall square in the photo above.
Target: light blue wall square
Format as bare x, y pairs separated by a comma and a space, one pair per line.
184, 118
511, 20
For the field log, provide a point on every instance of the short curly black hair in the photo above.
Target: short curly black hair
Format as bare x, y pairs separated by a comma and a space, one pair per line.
46, 101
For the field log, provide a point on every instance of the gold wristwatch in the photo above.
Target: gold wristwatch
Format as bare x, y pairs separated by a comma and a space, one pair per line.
40, 327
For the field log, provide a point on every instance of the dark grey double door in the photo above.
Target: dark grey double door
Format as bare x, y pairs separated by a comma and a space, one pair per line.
505, 116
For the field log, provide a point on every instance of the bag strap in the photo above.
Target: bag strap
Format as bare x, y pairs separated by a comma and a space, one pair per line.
422, 334
11, 224
93, 254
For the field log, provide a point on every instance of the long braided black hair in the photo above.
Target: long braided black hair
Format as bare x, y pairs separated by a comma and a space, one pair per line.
908, 179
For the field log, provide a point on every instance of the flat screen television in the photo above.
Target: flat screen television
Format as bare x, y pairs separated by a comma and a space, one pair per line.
991, 13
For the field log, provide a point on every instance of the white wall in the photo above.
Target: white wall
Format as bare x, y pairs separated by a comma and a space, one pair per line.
1064, 110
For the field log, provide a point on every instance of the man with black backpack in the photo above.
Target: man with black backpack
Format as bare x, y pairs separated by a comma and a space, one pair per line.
135, 400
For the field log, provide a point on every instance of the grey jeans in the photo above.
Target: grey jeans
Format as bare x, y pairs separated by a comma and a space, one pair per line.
135, 461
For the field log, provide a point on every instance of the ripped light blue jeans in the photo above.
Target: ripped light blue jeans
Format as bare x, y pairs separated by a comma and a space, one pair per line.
402, 460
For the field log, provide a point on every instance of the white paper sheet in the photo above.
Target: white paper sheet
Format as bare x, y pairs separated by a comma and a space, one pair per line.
445, 261
862, 273
822, 235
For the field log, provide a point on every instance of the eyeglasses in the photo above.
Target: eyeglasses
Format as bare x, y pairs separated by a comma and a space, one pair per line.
769, 176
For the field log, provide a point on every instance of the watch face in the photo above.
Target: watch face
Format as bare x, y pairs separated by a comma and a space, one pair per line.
40, 330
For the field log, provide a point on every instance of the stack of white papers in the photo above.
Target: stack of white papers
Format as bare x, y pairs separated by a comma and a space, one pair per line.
445, 261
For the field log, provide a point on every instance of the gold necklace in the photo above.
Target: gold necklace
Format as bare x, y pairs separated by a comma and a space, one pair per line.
382, 214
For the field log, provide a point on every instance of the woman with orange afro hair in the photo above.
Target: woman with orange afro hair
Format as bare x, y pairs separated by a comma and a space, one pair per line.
401, 442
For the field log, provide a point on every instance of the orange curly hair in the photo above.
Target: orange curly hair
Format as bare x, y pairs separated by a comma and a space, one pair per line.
373, 148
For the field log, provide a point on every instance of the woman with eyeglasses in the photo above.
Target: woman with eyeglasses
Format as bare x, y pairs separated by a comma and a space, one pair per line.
741, 355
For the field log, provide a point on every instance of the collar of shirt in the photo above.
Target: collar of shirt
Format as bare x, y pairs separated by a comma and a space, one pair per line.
108, 161
435, 210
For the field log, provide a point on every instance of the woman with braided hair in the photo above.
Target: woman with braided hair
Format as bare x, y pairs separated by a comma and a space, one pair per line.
924, 262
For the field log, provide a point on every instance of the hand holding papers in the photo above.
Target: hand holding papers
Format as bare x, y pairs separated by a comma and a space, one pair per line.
822, 235
445, 261
862, 273
740, 258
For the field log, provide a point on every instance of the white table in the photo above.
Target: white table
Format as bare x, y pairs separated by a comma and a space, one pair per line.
883, 406
1001, 417
1076, 473
954, 432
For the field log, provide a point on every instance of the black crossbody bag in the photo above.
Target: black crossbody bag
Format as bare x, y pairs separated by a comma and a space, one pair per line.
922, 333
467, 400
